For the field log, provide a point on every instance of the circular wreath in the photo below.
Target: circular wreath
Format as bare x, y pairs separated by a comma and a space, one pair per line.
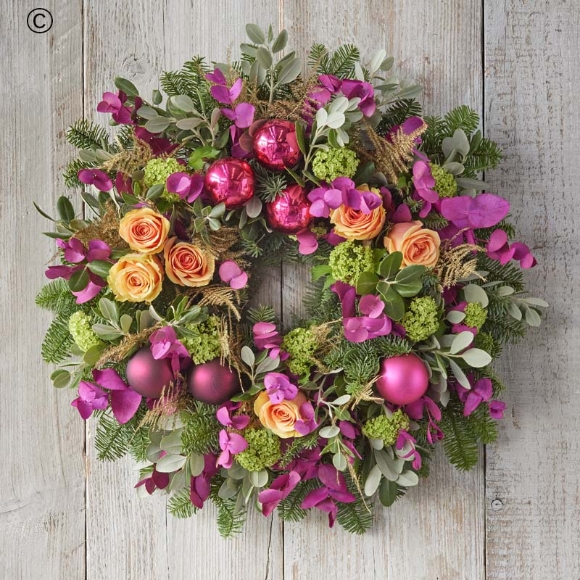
416, 285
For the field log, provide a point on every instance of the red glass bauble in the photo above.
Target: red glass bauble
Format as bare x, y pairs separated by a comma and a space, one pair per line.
213, 383
275, 145
146, 375
289, 212
403, 379
230, 181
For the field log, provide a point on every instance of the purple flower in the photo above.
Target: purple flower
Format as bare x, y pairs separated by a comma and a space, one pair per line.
97, 178
90, 397
230, 444
333, 489
496, 409
499, 249
342, 192
200, 485
426, 405
124, 400
225, 417
406, 439
156, 480
217, 77
164, 344
424, 184
306, 464
266, 336
188, 187
481, 391
279, 387
307, 242
113, 103
364, 91
222, 94
308, 422
279, 489
242, 115
159, 145
232, 274
484, 211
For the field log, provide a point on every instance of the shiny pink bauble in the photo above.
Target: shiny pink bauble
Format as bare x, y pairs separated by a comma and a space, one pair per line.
213, 383
230, 181
148, 376
289, 212
403, 379
275, 145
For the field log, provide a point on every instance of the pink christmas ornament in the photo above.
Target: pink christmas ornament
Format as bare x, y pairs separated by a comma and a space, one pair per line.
230, 181
403, 379
289, 212
275, 145
148, 376
213, 383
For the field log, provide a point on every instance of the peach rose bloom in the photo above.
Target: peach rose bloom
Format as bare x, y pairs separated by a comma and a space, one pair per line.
419, 246
144, 230
136, 278
356, 225
188, 265
281, 417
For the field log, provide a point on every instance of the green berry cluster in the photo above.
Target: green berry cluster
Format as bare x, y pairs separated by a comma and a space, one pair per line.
334, 162
81, 328
157, 171
300, 344
263, 450
202, 340
475, 315
445, 184
386, 428
349, 260
422, 318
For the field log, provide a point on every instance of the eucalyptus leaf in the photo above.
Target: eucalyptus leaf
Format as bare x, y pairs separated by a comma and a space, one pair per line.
409, 289
196, 464
65, 209
410, 274
264, 57
468, 183
79, 280
170, 463
339, 461
109, 310
100, 268
248, 356
476, 358
157, 124
461, 342
280, 42
454, 168
126, 322
536, 302
459, 374
388, 492
171, 443
146, 112
126, 86
255, 33
475, 293
290, 71
505, 291
514, 311
532, 317
259, 478
254, 207
455, 316
184, 103
373, 481
367, 283
329, 432
386, 465
60, 378
408, 479
394, 303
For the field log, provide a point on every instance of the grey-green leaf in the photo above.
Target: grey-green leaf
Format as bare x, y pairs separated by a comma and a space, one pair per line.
255, 33
290, 71
280, 42
476, 358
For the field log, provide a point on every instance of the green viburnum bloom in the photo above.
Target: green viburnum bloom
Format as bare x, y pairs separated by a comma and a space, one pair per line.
349, 260
386, 428
263, 450
157, 171
333, 163
203, 340
422, 318
475, 315
445, 184
300, 344
81, 329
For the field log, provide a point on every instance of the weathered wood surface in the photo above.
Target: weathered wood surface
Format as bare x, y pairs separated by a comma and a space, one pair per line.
517, 518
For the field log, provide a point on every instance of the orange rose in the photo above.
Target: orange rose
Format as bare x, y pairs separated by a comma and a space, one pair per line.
356, 225
281, 417
419, 246
144, 230
188, 265
136, 278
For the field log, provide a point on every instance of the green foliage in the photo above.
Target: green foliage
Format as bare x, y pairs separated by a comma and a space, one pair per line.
289, 508
269, 185
56, 297
509, 274
200, 429
84, 134
483, 426
460, 442
114, 440
397, 113
230, 520
320, 304
57, 341
435, 221
190, 81
262, 314
355, 517
298, 445
70, 175
339, 63
180, 506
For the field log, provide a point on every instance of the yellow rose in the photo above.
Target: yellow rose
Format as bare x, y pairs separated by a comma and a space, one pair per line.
136, 278
144, 230
188, 265
281, 417
419, 246
356, 225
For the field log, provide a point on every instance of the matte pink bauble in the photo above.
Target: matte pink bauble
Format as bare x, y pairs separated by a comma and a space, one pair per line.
403, 379
148, 376
213, 383
289, 212
230, 181
275, 145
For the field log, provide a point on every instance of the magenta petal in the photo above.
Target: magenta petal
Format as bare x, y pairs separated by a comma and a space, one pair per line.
178, 183
402, 214
331, 477
125, 404
347, 297
239, 282
237, 443
98, 250
109, 379
229, 270
88, 293
53, 272
236, 90
371, 305
314, 497
319, 209
161, 480
333, 198
472, 401
217, 77
497, 240
85, 409
221, 94
244, 115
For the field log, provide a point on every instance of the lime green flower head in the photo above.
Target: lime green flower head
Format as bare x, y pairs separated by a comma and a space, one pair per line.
81, 329
422, 318
349, 260
386, 428
475, 315
202, 340
300, 344
445, 184
334, 162
263, 450
156, 173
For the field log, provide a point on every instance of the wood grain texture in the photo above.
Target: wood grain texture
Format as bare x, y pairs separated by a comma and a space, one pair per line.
42, 505
532, 90
437, 531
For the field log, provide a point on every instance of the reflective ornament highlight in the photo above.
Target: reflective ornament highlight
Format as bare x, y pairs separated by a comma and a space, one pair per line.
289, 212
275, 145
230, 181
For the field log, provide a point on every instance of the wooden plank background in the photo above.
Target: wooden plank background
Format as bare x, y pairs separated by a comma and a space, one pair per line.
517, 516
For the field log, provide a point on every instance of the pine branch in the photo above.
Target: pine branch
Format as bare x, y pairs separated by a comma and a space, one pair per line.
355, 517
262, 314
57, 297
483, 426
70, 175
229, 520
397, 113
339, 63
509, 274
289, 508
114, 440
84, 134
200, 429
180, 506
57, 341
460, 442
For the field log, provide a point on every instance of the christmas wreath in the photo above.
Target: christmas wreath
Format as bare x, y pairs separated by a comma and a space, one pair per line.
416, 286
